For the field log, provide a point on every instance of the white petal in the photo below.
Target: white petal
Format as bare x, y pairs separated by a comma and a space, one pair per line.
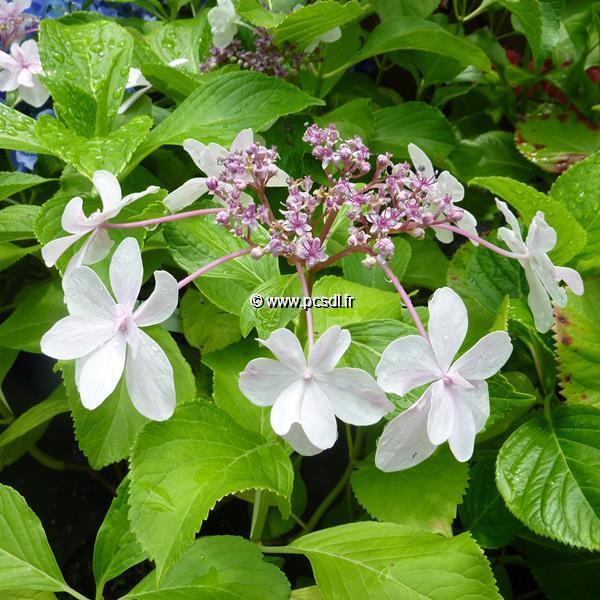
286, 408
126, 272
279, 179
196, 151
297, 439
73, 219
571, 277
286, 347
151, 189
541, 238
36, 94
354, 396
25, 79
8, 80
108, 187
404, 442
485, 358
469, 224
75, 336
264, 380
242, 140
101, 371
448, 184
443, 235
177, 62
54, 249
223, 36
440, 420
462, 438
447, 326
161, 303
86, 295
149, 378
512, 240
405, 364
329, 349
333, 35
539, 302
477, 400
97, 247
421, 161
132, 99
136, 78
317, 417
186, 194
510, 218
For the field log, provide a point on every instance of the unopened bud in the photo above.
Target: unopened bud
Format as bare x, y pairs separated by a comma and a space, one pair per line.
369, 262
257, 252
418, 233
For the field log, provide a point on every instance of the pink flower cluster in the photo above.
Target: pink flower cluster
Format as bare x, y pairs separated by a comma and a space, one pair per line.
14, 25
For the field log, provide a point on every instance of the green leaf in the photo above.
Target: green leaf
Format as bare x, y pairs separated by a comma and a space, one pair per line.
17, 131
217, 111
413, 122
226, 365
547, 471
106, 434
411, 33
29, 427
427, 266
180, 468
491, 153
368, 303
11, 253
577, 190
205, 326
12, 182
16, 222
578, 346
352, 118
26, 560
217, 567
527, 17
388, 9
528, 201
254, 12
483, 511
86, 69
556, 142
112, 153
267, 319
302, 26
424, 497
384, 560
38, 309
116, 548
196, 242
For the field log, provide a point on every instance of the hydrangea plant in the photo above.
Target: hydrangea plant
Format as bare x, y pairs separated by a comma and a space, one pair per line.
371, 336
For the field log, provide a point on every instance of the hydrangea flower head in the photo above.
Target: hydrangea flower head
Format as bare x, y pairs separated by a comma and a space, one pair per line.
455, 405
20, 70
104, 335
308, 393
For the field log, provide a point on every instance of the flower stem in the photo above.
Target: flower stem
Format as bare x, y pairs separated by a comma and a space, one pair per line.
159, 220
212, 265
259, 515
405, 298
480, 240
308, 311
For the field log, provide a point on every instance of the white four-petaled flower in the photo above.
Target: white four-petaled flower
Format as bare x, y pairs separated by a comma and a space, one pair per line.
20, 70
307, 395
208, 158
542, 276
223, 22
445, 184
105, 338
456, 405
74, 221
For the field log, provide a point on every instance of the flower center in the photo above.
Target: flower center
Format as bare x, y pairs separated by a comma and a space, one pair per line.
123, 318
308, 375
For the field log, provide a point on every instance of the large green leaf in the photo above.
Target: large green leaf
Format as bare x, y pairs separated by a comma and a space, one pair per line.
106, 434
548, 471
196, 242
528, 201
226, 365
227, 104
12, 182
27, 429
180, 468
217, 567
26, 560
577, 190
16, 222
302, 26
86, 69
388, 9
111, 153
384, 560
116, 548
578, 346
38, 309
424, 497
17, 131
413, 122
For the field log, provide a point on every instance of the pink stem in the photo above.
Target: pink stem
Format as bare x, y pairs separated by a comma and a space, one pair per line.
405, 298
309, 321
479, 240
212, 265
167, 219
